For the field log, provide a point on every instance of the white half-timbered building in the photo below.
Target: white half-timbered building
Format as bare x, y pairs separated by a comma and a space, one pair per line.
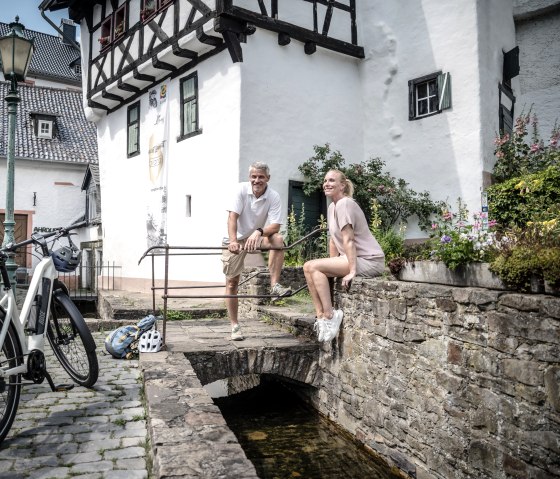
186, 94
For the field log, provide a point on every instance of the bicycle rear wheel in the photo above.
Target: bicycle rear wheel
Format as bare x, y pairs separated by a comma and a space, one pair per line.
71, 340
10, 388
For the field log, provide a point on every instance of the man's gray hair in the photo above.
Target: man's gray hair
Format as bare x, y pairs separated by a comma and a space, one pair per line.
259, 165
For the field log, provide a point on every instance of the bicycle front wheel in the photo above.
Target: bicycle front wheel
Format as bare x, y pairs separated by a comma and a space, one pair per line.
71, 341
10, 387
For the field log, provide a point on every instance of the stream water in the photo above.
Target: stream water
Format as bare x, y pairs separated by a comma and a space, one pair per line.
286, 438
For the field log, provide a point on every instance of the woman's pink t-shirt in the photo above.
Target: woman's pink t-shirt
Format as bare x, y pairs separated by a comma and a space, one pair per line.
347, 212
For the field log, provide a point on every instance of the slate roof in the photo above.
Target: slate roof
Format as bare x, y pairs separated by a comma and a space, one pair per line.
51, 59
76, 139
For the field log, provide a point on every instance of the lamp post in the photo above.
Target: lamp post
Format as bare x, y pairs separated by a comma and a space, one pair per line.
15, 53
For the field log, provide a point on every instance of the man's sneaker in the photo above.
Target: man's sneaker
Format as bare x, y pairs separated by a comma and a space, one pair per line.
279, 290
236, 334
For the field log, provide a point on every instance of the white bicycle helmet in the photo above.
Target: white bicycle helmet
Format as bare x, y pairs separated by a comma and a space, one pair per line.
150, 342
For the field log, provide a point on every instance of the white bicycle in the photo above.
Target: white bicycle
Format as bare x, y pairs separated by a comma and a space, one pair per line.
47, 311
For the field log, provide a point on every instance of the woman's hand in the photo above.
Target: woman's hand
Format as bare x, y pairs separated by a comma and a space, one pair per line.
347, 281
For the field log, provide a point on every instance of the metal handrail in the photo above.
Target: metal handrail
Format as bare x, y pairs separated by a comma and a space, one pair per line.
155, 251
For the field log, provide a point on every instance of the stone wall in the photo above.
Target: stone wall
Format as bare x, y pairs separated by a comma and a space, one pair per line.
447, 382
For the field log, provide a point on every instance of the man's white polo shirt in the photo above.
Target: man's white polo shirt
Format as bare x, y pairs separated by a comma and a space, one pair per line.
254, 212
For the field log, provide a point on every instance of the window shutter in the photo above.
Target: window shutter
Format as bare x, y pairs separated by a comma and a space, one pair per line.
444, 90
411, 102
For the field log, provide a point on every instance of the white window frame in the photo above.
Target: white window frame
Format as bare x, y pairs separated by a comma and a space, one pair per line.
439, 97
48, 133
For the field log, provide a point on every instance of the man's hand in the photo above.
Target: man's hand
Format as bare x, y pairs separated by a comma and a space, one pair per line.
234, 247
254, 241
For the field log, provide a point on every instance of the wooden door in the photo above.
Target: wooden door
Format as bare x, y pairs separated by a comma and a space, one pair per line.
20, 234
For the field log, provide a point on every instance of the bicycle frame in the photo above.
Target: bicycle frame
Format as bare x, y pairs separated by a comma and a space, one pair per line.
45, 270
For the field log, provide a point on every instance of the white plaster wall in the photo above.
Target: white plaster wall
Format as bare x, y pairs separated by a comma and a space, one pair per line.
442, 154
496, 33
292, 101
202, 166
539, 77
56, 204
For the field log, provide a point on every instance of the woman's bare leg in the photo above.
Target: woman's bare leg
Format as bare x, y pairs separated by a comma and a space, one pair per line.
317, 273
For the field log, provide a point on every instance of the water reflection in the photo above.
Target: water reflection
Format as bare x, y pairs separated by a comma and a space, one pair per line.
286, 438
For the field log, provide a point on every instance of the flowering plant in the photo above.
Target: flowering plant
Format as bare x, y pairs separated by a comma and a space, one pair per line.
104, 41
456, 242
520, 153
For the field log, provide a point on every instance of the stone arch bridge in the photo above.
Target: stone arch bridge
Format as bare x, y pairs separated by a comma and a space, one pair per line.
188, 435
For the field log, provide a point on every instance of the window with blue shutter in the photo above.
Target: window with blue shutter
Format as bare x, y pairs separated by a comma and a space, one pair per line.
429, 95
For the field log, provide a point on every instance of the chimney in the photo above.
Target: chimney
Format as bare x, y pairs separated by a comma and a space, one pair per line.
68, 27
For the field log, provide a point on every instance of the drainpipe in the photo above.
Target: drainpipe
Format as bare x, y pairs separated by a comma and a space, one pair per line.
68, 39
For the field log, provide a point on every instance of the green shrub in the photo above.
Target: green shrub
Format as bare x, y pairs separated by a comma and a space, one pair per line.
517, 201
397, 201
313, 247
533, 251
390, 240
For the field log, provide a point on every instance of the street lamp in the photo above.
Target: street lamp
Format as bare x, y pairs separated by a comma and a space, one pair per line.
15, 54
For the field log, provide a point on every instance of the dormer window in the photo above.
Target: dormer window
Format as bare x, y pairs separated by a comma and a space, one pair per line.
44, 125
45, 129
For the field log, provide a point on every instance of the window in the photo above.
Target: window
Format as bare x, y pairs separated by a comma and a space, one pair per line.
120, 16
78, 69
149, 9
429, 95
189, 106
133, 130
506, 109
106, 32
44, 129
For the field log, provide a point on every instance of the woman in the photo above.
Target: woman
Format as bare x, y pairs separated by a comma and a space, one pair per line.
353, 250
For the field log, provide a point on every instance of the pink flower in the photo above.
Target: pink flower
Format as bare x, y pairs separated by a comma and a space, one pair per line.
535, 147
434, 226
492, 223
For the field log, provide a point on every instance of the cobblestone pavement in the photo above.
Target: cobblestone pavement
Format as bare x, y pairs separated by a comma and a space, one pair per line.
97, 433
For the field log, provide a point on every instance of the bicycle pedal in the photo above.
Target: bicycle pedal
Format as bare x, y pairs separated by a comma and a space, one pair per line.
63, 387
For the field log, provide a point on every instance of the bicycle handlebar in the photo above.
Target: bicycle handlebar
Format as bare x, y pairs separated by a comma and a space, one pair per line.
11, 247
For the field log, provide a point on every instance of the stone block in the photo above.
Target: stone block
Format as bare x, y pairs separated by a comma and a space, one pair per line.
455, 353
552, 387
551, 307
526, 372
520, 302
483, 457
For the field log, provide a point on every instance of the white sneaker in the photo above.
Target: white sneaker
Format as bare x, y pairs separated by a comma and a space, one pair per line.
332, 325
336, 322
236, 334
321, 327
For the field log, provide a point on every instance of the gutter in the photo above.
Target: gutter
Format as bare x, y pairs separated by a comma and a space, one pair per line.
67, 38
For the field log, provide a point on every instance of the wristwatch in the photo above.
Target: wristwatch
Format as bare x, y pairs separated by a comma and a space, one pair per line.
260, 230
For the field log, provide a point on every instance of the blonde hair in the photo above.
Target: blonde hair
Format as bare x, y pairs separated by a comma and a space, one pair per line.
348, 185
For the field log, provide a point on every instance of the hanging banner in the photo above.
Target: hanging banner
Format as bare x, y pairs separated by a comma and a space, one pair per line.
157, 125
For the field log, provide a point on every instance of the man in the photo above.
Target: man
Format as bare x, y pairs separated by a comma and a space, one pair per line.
254, 219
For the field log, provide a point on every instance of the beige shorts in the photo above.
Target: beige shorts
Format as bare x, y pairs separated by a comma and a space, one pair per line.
370, 267
233, 264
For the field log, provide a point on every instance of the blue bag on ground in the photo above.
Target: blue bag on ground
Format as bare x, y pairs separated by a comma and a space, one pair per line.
123, 341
